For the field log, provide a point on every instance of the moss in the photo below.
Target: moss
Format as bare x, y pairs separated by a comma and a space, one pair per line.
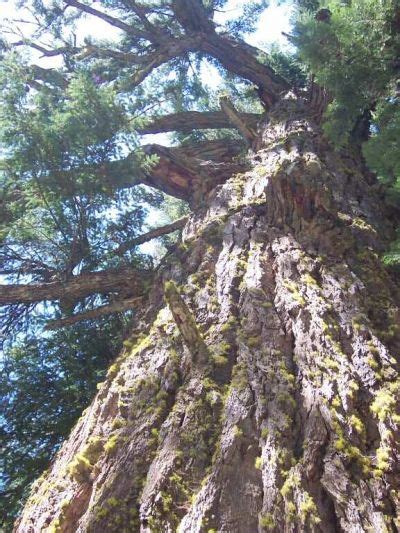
110, 446
264, 433
237, 431
309, 280
362, 225
267, 305
229, 324
382, 458
372, 363
357, 424
294, 290
331, 363
336, 402
220, 360
267, 521
253, 342
290, 511
385, 401
308, 511
83, 462
113, 371
287, 375
286, 399
239, 376
80, 468
340, 444
292, 481
258, 463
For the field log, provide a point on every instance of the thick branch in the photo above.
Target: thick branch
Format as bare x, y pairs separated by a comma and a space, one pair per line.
182, 169
244, 60
169, 50
114, 307
236, 56
177, 171
192, 16
120, 279
195, 120
153, 234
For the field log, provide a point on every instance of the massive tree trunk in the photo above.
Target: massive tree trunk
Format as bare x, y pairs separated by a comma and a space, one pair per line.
262, 392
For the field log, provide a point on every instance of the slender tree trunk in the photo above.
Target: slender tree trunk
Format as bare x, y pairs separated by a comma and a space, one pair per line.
263, 393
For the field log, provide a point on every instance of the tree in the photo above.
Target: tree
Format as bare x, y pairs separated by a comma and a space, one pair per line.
259, 388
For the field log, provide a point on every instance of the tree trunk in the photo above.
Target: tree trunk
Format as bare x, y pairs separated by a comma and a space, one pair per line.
263, 393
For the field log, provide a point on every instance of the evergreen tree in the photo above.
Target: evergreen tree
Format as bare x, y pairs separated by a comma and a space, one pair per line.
259, 386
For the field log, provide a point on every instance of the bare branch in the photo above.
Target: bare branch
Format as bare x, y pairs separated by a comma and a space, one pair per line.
44, 51
114, 307
153, 234
236, 120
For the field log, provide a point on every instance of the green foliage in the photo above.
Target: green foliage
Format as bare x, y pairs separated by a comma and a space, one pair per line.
45, 384
352, 54
288, 65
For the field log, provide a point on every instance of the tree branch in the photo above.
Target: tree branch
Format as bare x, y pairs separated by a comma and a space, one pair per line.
242, 59
192, 16
110, 19
181, 170
45, 51
48, 76
194, 120
114, 307
153, 234
236, 120
117, 279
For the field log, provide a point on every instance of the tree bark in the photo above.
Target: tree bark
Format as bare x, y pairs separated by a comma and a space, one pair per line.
289, 421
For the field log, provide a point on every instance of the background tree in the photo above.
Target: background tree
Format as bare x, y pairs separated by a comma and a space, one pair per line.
219, 413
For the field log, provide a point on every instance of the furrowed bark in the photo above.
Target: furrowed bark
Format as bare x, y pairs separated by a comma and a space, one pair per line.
75, 288
293, 423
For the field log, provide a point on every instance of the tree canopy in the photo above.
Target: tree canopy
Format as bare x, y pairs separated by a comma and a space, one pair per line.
78, 178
